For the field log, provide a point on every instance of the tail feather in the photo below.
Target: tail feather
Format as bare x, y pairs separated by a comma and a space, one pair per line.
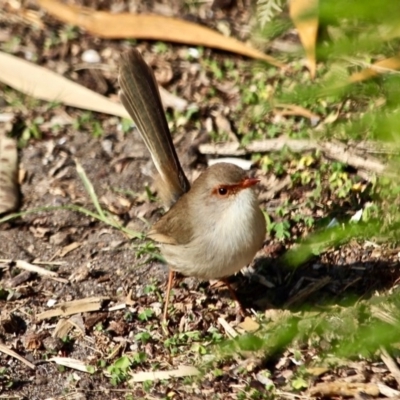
140, 96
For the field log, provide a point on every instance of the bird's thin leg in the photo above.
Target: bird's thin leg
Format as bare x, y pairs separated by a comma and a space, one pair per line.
166, 299
234, 296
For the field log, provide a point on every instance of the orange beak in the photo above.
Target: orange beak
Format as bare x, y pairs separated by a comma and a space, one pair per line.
248, 182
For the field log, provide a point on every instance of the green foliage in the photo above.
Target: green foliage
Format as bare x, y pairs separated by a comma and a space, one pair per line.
6, 380
146, 314
86, 121
268, 9
119, 370
143, 337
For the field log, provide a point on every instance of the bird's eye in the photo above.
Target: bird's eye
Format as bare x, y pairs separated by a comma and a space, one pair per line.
222, 191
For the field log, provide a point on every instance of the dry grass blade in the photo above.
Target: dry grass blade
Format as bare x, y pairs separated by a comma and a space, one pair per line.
6, 350
107, 219
73, 307
9, 192
388, 391
228, 329
90, 189
74, 364
180, 372
38, 270
308, 291
333, 150
391, 364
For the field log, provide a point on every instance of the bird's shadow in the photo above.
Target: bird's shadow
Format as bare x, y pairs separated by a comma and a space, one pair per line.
274, 285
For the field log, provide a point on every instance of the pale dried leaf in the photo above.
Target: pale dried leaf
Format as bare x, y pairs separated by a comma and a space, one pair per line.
317, 371
4, 349
388, 391
153, 27
384, 66
73, 307
34, 268
293, 109
9, 192
305, 18
249, 325
73, 364
67, 249
62, 328
228, 329
181, 371
44, 84
341, 388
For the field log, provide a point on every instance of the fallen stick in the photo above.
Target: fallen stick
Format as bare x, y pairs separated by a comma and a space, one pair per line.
332, 150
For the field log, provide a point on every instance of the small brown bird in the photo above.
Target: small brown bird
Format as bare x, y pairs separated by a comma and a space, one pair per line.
214, 228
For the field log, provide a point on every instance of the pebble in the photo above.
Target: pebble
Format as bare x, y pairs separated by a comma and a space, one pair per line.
91, 56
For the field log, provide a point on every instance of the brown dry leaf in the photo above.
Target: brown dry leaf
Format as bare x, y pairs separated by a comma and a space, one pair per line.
295, 110
153, 27
380, 67
44, 84
34, 341
73, 307
305, 18
9, 192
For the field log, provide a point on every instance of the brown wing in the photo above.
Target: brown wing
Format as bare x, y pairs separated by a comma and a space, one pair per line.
174, 227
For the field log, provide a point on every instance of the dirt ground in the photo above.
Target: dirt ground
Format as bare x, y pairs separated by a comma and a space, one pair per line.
94, 260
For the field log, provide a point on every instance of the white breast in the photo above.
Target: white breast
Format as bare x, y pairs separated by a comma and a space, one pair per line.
228, 241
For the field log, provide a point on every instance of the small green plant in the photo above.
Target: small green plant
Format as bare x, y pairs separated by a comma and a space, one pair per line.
5, 379
119, 370
99, 327
87, 122
31, 131
281, 230
150, 289
149, 250
69, 33
143, 337
213, 67
129, 316
160, 47
146, 314
299, 383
